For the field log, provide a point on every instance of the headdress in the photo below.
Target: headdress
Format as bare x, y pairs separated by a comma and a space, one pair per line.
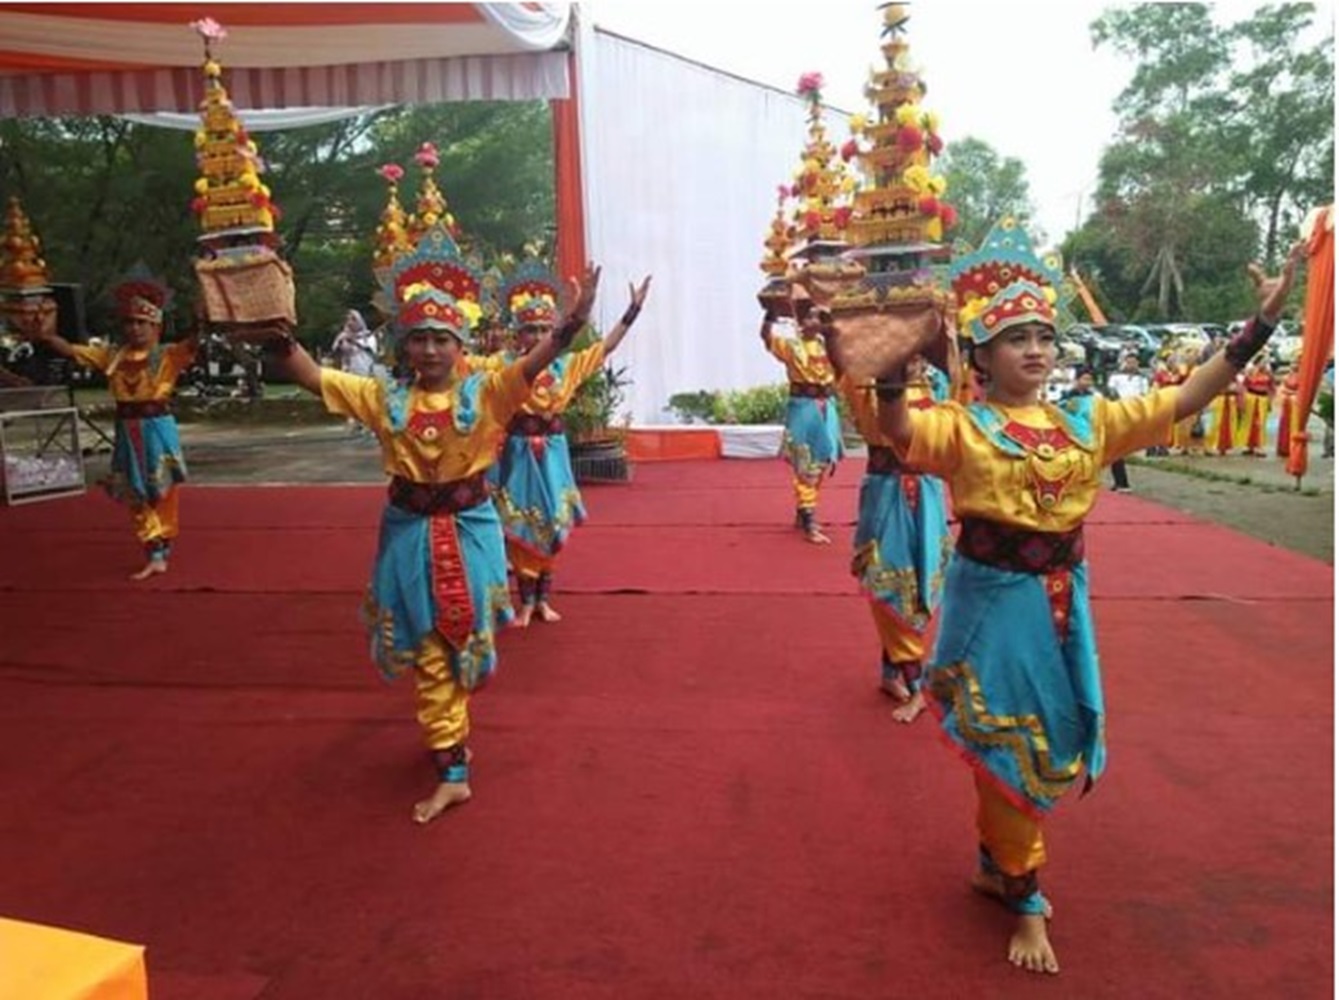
392, 237
433, 287
1004, 283
141, 295
532, 293
22, 269
430, 209
230, 195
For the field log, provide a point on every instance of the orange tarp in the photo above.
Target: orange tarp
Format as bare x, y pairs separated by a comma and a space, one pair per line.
670, 444
48, 963
1317, 331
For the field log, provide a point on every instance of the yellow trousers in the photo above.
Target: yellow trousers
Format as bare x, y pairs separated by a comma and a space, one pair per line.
157, 521
806, 493
1012, 837
900, 641
443, 705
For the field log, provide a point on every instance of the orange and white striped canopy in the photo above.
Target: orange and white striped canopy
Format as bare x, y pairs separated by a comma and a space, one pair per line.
92, 58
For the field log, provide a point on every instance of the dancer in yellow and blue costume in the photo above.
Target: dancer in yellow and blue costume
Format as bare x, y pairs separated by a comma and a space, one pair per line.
902, 540
537, 494
1014, 674
439, 582
812, 440
142, 372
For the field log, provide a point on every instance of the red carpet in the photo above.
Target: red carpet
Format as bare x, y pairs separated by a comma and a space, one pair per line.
689, 791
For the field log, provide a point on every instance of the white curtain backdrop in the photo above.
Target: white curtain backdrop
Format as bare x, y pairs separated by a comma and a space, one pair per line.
680, 166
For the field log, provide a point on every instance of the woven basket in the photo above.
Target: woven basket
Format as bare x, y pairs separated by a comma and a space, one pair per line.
236, 294
872, 343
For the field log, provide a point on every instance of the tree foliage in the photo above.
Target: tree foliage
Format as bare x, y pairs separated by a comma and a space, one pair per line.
983, 187
104, 193
1226, 140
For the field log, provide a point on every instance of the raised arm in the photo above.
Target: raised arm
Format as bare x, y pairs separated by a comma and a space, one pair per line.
547, 350
37, 322
1216, 374
292, 360
636, 297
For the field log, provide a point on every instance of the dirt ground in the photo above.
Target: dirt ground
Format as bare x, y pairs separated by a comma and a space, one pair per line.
1252, 495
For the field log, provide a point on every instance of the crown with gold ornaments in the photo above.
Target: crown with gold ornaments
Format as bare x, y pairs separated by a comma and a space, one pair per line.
243, 282
23, 270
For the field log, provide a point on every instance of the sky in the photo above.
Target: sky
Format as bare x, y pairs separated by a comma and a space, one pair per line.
983, 63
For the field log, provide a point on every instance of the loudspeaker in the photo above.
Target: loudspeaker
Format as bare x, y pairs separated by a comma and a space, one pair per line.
70, 320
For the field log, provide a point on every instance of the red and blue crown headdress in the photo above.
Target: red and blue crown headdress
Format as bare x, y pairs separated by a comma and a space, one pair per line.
532, 294
141, 295
433, 288
1004, 283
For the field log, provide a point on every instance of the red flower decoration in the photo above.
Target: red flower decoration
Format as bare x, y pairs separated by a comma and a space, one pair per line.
928, 205
909, 138
934, 144
198, 205
391, 172
810, 85
208, 28
812, 221
427, 157
795, 190
842, 216
782, 192
948, 215
849, 150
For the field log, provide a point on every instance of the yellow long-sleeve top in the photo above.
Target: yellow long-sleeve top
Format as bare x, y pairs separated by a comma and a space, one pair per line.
1033, 467
448, 435
864, 406
555, 385
132, 374
806, 361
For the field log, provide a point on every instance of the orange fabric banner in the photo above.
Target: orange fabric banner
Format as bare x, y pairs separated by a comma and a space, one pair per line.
672, 445
1317, 331
567, 178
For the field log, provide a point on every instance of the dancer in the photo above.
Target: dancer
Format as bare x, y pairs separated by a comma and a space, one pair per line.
439, 584
902, 541
537, 495
812, 441
1258, 386
1014, 675
1288, 414
147, 460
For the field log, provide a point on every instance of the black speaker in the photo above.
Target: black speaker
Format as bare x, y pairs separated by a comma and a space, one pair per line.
70, 319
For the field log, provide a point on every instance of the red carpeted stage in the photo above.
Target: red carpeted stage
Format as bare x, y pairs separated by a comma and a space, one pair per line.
688, 788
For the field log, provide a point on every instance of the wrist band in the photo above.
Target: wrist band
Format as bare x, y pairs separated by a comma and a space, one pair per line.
630, 314
889, 392
280, 347
1248, 343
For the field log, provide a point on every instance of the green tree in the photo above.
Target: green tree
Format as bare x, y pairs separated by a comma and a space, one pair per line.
104, 193
1188, 187
984, 187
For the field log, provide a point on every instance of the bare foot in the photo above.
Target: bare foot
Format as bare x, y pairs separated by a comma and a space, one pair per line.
446, 795
817, 537
151, 567
546, 612
896, 688
523, 616
993, 886
912, 707
1030, 948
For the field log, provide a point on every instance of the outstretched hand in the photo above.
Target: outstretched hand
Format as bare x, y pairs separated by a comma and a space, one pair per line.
637, 293
583, 297
1273, 292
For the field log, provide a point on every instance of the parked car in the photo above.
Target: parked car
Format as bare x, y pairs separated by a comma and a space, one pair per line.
1129, 338
1101, 350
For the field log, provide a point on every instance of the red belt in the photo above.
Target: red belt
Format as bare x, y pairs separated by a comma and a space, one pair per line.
426, 499
142, 410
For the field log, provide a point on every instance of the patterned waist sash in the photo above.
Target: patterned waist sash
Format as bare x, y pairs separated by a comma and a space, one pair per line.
810, 390
883, 461
143, 410
535, 425
426, 499
1018, 549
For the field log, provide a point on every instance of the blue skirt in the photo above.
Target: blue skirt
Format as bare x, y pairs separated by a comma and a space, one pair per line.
1022, 704
537, 495
401, 608
812, 441
146, 459
901, 549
